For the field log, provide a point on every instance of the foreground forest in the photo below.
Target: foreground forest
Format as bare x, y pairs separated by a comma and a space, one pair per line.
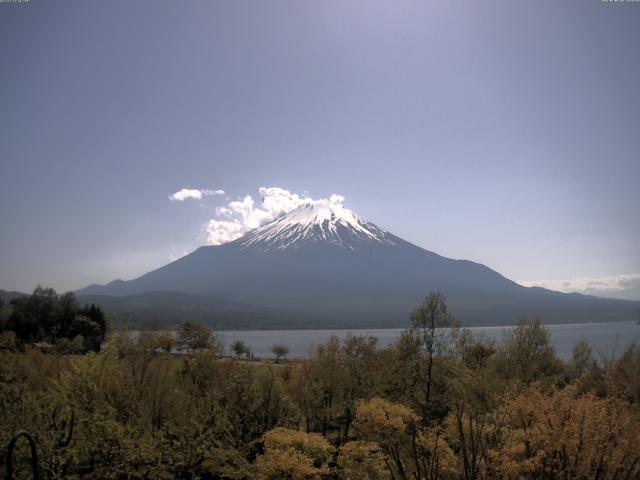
440, 403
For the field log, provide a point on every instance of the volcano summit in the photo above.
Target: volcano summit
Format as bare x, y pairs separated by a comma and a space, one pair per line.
320, 265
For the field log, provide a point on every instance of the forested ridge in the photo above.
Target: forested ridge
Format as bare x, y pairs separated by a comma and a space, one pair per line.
440, 403
57, 320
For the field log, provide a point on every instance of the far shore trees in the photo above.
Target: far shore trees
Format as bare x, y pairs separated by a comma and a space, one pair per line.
240, 348
280, 350
195, 336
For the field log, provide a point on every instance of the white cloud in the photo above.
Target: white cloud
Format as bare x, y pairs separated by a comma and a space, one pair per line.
185, 193
239, 216
614, 286
222, 231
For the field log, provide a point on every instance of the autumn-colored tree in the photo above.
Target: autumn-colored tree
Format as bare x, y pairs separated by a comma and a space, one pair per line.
475, 422
167, 340
294, 455
359, 460
318, 386
411, 450
195, 336
140, 412
565, 436
400, 372
623, 376
327, 385
358, 363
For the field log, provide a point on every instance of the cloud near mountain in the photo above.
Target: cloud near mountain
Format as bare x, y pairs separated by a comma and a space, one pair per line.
240, 216
186, 193
615, 286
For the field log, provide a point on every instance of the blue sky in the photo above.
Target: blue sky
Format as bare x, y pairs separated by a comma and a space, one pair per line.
504, 132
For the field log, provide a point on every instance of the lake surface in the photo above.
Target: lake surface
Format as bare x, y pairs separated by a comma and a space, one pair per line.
606, 339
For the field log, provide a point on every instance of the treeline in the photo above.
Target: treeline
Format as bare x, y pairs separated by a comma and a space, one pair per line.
58, 320
438, 404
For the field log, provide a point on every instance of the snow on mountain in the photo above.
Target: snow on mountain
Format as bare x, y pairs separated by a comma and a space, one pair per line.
317, 222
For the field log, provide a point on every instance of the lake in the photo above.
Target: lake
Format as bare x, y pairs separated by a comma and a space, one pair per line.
607, 338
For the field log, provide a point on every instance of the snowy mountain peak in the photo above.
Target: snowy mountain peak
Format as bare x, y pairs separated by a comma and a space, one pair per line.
317, 222
319, 212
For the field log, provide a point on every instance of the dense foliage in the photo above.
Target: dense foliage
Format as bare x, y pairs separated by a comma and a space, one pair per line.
58, 320
435, 405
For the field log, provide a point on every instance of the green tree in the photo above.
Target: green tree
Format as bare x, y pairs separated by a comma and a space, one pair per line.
99, 331
46, 316
77, 344
473, 350
239, 348
68, 311
582, 359
527, 354
434, 326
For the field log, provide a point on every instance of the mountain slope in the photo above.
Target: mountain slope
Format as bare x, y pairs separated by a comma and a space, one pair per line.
152, 309
7, 296
322, 262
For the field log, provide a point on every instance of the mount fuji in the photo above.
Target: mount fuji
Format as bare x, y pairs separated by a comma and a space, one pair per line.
322, 266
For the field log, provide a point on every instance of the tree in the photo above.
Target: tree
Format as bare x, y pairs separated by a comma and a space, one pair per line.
324, 387
294, 455
46, 316
359, 460
7, 341
24, 321
77, 344
44, 306
196, 336
434, 327
97, 316
474, 350
565, 436
527, 354
412, 451
623, 376
280, 350
2, 314
475, 419
582, 359
239, 348
68, 311
63, 346
85, 327
166, 340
